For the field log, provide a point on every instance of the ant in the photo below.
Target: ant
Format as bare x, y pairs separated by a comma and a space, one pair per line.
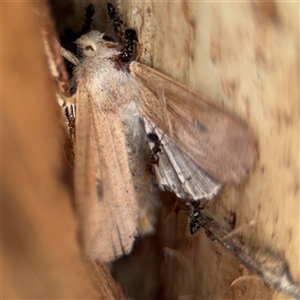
127, 51
117, 22
194, 217
154, 157
130, 34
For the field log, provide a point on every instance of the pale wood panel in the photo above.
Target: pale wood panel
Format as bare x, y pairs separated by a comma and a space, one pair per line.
243, 56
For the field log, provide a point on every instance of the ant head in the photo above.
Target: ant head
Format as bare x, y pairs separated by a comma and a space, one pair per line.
195, 203
153, 137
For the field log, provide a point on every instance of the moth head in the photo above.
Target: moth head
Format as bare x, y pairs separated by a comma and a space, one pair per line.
92, 44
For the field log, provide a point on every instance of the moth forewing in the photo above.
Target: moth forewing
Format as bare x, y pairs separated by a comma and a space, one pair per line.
217, 141
104, 192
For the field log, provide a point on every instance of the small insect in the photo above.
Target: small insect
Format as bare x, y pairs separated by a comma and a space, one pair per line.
117, 22
194, 217
154, 158
118, 101
127, 51
156, 149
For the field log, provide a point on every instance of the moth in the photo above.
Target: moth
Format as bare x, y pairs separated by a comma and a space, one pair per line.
118, 103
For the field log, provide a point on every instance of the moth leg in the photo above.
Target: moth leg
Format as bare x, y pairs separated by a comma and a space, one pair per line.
70, 114
68, 108
69, 56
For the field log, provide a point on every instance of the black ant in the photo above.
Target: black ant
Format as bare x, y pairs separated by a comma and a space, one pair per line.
127, 51
130, 34
156, 149
117, 22
194, 217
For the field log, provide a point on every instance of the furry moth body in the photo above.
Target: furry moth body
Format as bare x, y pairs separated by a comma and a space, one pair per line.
117, 105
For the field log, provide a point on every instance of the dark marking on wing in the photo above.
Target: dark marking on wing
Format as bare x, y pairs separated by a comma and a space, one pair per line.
200, 125
99, 189
232, 219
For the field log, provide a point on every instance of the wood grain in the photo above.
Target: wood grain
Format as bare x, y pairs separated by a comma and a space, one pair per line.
41, 257
242, 56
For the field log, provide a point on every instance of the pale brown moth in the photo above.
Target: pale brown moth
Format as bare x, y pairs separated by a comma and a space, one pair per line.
119, 102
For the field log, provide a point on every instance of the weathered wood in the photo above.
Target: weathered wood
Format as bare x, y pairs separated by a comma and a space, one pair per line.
243, 56
41, 257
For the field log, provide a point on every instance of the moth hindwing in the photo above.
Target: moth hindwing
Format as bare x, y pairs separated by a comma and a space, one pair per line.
118, 103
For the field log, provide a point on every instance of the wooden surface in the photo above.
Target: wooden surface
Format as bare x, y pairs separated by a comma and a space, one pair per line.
41, 257
243, 56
